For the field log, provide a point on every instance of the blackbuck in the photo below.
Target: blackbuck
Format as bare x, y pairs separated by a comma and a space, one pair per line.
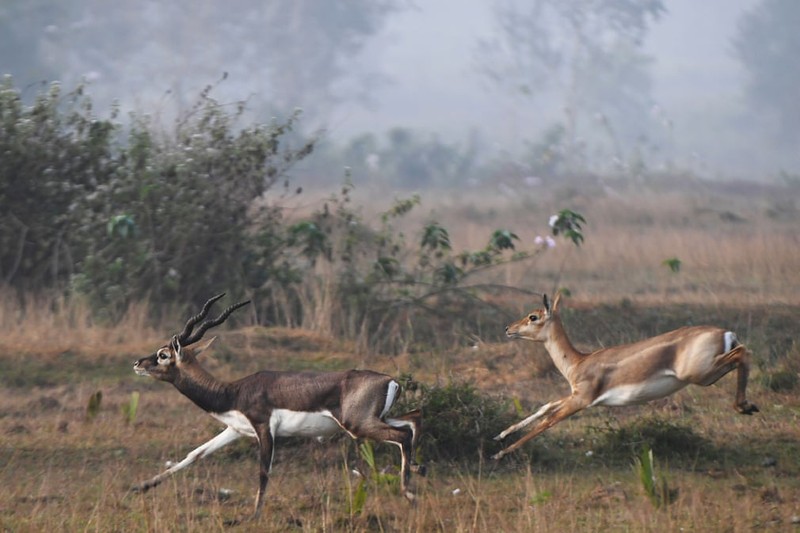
629, 374
271, 404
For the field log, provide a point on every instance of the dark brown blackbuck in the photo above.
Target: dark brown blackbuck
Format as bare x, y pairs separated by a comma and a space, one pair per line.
271, 404
628, 374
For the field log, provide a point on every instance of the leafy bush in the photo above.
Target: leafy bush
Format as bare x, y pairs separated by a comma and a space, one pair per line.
460, 421
190, 198
391, 294
55, 157
120, 217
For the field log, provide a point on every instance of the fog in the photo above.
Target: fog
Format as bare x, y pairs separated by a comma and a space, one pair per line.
414, 65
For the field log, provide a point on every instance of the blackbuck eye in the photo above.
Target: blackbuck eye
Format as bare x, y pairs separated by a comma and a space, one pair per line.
532, 318
163, 356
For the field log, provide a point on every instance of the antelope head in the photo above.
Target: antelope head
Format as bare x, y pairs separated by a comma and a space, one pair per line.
536, 324
165, 364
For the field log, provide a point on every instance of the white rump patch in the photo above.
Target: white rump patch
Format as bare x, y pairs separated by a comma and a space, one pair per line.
287, 423
658, 386
237, 422
396, 423
391, 393
730, 341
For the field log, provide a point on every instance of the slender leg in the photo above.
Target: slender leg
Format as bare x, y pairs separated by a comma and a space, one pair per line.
742, 371
401, 436
546, 409
566, 407
413, 421
738, 358
226, 437
266, 452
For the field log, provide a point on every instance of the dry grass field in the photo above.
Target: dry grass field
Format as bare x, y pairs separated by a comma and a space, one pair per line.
62, 469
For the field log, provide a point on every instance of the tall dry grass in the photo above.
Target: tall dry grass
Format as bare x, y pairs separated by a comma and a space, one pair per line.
45, 324
734, 247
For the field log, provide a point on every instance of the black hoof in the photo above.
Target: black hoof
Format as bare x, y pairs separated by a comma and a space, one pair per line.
747, 408
420, 470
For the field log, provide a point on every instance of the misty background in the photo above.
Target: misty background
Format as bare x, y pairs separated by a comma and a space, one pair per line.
543, 87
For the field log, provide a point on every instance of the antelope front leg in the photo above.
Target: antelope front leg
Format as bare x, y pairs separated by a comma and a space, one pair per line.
226, 437
543, 410
566, 407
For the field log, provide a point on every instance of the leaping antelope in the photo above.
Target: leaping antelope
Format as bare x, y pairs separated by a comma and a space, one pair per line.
628, 374
270, 404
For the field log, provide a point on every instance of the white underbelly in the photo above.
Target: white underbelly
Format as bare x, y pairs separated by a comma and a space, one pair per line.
237, 421
629, 394
286, 423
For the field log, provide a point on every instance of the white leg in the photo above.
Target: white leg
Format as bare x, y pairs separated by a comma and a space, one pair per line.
546, 408
226, 437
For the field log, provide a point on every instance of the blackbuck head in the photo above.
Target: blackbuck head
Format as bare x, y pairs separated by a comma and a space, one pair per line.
535, 325
165, 364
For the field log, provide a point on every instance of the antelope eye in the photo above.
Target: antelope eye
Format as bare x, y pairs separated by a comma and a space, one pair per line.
533, 318
163, 356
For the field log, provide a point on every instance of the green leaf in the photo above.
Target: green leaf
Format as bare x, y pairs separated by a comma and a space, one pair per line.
93, 407
448, 274
502, 240
568, 223
673, 263
130, 408
387, 266
435, 237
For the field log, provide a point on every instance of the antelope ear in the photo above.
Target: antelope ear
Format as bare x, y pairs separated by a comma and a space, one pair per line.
177, 349
556, 301
201, 348
546, 304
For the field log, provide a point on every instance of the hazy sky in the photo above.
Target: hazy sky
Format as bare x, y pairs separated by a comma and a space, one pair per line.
429, 55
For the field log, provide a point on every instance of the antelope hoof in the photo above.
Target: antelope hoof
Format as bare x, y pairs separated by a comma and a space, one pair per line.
747, 408
498, 456
410, 496
500, 437
420, 470
141, 487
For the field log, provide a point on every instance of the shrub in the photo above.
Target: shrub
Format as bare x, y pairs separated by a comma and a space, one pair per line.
459, 422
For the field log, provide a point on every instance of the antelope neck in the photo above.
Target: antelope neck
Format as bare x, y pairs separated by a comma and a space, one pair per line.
561, 350
206, 391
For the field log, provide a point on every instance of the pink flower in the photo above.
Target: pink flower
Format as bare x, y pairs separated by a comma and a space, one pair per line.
544, 242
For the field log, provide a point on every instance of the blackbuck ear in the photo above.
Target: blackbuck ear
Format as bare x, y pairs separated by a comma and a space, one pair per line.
546, 303
175, 344
202, 347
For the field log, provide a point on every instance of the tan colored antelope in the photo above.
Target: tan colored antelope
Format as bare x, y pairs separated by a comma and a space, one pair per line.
270, 404
629, 374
